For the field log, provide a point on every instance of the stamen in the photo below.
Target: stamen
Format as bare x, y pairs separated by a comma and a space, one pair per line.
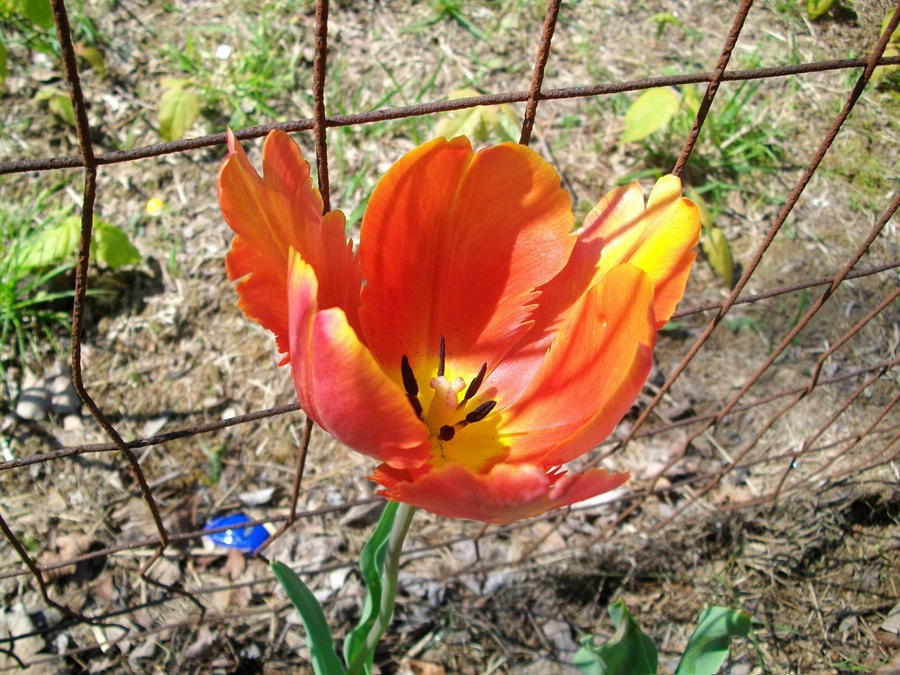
475, 384
415, 404
480, 412
441, 358
409, 378
446, 432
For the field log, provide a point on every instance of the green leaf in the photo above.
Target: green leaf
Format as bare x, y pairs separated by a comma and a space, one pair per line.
93, 56
628, 652
110, 246
37, 12
371, 563
718, 252
708, 646
59, 103
650, 112
325, 660
178, 108
478, 123
4, 68
52, 246
691, 97
816, 8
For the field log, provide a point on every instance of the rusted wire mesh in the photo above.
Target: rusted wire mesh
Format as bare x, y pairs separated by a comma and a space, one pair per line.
825, 459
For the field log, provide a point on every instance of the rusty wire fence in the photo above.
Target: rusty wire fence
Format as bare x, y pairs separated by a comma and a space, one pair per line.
867, 441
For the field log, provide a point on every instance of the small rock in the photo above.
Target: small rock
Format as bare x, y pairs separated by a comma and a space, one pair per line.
363, 515
73, 423
33, 404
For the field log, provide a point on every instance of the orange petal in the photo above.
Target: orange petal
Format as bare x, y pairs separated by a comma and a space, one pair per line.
660, 241
339, 384
273, 214
454, 244
507, 493
591, 375
618, 212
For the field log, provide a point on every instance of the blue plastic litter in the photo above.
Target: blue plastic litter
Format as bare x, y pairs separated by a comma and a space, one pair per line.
246, 539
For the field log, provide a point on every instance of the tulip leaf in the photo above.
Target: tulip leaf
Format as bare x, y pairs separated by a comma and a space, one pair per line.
325, 660
708, 646
628, 652
650, 112
817, 8
718, 252
178, 108
371, 563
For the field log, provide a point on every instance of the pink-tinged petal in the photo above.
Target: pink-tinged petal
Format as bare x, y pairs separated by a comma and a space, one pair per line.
271, 215
592, 372
660, 242
508, 492
454, 243
339, 384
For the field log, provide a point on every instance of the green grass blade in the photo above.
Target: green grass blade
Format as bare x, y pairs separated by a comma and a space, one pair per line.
325, 660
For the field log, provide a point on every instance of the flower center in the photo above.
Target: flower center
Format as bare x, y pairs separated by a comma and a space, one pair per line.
446, 414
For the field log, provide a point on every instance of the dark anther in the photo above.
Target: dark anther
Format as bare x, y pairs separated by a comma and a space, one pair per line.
475, 384
446, 432
415, 404
409, 378
480, 412
441, 357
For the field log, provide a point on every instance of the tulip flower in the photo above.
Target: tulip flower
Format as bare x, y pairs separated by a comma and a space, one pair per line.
473, 343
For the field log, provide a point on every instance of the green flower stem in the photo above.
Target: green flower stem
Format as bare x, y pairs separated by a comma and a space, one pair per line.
404, 517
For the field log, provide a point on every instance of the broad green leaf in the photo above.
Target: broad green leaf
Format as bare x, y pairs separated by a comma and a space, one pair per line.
61, 106
54, 245
718, 252
325, 660
37, 12
816, 8
478, 123
628, 652
93, 56
58, 102
110, 246
371, 563
178, 108
650, 112
892, 49
708, 646
691, 97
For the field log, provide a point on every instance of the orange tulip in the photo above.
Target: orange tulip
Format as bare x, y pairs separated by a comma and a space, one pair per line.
473, 343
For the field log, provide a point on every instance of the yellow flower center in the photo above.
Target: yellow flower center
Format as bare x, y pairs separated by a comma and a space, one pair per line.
463, 430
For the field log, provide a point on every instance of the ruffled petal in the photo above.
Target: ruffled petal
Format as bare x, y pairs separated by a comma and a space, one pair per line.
508, 492
454, 244
619, 209
591, 375
660, 241
339, 384
273, 214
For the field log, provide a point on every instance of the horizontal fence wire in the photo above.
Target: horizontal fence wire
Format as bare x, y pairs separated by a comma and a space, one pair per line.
833, 453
